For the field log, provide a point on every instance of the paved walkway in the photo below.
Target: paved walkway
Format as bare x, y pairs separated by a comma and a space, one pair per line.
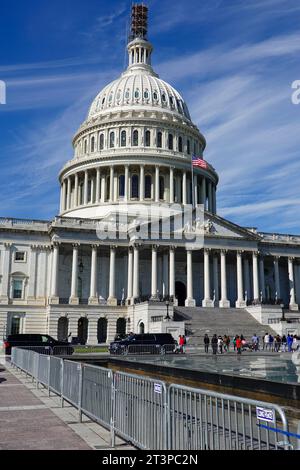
29, 419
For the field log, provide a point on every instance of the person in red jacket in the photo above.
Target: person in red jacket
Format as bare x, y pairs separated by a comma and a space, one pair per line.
181, 344
238, 345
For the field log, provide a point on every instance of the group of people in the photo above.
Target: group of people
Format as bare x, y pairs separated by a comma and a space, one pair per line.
289, 343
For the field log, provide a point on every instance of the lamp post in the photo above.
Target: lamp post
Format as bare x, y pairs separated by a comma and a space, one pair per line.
167, 305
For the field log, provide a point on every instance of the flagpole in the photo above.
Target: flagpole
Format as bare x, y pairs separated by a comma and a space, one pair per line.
193, 189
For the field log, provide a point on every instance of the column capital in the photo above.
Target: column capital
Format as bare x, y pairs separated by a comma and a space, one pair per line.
155, 247
207, 250
75, 245
276, 257
172, 247
291, 258
55, 245
7, 245
240, 252
223, 251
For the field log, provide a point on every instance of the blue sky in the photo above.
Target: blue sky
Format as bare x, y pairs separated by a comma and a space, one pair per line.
232, 60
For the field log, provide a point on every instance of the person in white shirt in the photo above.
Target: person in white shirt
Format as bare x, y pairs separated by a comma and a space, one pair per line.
266, 341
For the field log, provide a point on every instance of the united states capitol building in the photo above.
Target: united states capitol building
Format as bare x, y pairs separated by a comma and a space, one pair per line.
88, 273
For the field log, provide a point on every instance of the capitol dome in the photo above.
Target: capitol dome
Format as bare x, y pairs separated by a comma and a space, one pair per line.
136, 145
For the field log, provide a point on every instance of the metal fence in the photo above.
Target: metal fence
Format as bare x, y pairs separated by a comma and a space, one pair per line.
140, 413
200, 419
151, 416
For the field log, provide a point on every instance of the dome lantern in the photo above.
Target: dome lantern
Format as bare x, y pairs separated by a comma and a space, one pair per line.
139, 48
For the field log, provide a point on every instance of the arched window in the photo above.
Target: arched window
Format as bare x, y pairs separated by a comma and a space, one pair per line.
136, 94
123, 139
188, 147
85, 146
112, 139
135, 138
147, 138
155, 96
146, 94
148, 185
101, 141
161, 187
102, 330
180, 144
159, 140
93, 144
127, 94
121, 185
163, 98
135, 186
170, 141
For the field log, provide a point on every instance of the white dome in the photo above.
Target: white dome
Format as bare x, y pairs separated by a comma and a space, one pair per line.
139, 87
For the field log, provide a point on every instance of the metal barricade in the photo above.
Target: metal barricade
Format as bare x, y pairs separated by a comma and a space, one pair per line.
62, 350
46, 350
96, 398
139, 411
43, 370
71, 382
200, 419
55, 378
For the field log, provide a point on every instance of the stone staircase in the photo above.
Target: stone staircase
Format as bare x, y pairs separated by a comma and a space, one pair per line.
222, 321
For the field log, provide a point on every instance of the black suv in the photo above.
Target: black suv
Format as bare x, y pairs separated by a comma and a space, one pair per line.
155, 341
24, 340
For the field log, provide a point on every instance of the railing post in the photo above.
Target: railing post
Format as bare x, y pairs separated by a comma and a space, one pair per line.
62, 382
113, 412
167, 419
81, 373
37, 371
49, 372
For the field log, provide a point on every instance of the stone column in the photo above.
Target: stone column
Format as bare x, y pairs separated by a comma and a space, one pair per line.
262, 294
247, 280
240, 302
157, 183
203, 192
98, 179
154, 273
111, 184
209, 197
92, 331
190, 301
76, 191
136, 273
74, 282
171, 185
214, 201
207, 302
255, 276
129, 275
93, 285
165, 291
112, 277
32, 274
54, 299
292, 305
69, 194
85, 188
142, 182
92, 189
126, 183
5, 270
277, 278
224, 302
184, 192
172, 272
216, 280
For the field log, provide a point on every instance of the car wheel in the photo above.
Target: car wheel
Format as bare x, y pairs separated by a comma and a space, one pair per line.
162, 350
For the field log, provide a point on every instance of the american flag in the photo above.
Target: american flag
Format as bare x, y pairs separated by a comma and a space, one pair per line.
198, 161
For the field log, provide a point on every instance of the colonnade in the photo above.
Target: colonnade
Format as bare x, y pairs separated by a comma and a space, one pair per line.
215, 292
128, 183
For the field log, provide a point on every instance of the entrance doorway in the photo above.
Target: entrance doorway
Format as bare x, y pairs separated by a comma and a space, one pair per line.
141, 328
83, 324
15, 323
180, 293
121, 326
62, 329
102, 330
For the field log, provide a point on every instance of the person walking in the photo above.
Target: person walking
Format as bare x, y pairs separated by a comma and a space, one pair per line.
234, 342
214, 344
283, 343
238, 345
206, 342
266, 341
220, 344
289, 342
295, 344
255, 341
271, 343
181, 343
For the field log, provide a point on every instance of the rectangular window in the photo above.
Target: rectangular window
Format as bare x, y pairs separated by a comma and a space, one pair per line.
20, 256
17, 289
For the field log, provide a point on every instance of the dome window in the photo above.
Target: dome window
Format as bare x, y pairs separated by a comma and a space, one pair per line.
127, 94
135, 138
148, 185
180, 144
136, 94
170, 141
159, 140
101, 141
147, 138
121, 185
171, 101
112, 139
118, 95
163, 98
103, 100
155, 96
179, 106
123, 139
110, 98
146, 94
135, 186
85, 146
93, 144
161, 187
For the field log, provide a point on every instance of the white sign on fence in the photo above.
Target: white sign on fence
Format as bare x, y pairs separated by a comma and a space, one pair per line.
265, 414
157, 388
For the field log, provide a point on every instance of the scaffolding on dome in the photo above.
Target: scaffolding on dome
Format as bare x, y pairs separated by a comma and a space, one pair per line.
139, 21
